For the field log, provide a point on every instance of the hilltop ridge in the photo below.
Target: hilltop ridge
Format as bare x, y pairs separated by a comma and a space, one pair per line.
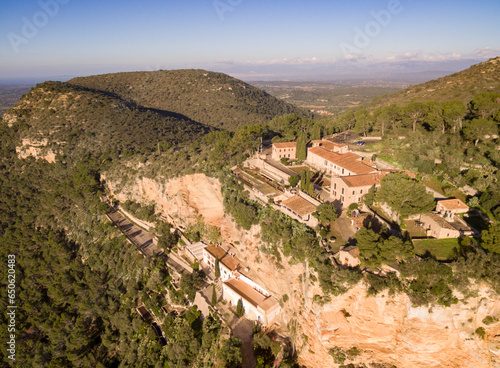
68, 118
463, 85
210, 98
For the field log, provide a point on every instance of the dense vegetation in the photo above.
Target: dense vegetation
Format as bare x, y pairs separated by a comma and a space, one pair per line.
451, 143
78, 281
75, 121
210, 98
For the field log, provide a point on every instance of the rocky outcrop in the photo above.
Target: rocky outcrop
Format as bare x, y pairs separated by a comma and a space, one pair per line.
386, 329
36, 149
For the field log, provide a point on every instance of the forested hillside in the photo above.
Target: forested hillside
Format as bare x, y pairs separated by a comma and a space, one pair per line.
210, 98
446, 139
463, 86
76, 119
79, 281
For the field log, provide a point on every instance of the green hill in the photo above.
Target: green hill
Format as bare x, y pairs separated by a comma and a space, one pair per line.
464, 85
209, 98
77, 119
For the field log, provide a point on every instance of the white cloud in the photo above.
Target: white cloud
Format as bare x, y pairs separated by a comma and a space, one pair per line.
486, 52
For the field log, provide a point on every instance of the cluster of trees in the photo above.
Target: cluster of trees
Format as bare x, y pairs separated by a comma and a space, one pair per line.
305, 182
376, 249
143, 212
478, 118
452, 141
73, 313
405, 195
166, 238
192, 282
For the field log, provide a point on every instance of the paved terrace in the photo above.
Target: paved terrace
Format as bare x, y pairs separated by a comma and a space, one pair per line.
143, 240
281, 167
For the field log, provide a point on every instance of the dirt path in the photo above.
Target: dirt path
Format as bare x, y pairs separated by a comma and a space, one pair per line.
243, 331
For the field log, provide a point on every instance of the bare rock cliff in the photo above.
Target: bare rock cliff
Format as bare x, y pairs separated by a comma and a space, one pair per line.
386, 329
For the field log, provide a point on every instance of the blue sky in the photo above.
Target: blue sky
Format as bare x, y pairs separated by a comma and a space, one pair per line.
246, 38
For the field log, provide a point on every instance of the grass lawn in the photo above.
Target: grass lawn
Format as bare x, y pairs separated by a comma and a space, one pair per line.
442, 249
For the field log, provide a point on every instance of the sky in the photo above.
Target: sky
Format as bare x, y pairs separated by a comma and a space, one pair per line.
249, 39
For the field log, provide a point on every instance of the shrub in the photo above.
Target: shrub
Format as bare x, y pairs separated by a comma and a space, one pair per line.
481, 332
489, 320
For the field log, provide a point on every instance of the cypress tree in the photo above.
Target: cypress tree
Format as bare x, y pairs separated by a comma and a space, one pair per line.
240, 310
301, 149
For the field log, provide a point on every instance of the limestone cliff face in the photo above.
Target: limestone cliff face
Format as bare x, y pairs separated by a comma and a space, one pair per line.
386, 329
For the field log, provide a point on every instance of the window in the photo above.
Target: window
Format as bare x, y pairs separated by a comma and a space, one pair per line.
334, 185
361, 191
353, 192
342, 190
326, 163
342, 171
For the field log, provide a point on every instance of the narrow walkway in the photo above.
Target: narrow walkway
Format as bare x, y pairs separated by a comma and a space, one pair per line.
243, 330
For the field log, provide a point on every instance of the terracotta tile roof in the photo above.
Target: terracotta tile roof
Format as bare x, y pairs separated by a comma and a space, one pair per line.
225, 258
285, 145
453, 204
328, 145
251, 295
321, 152
362, 180
349, 161
299, 205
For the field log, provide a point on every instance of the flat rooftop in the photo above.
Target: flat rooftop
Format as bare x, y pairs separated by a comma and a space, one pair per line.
280, 167
197, 249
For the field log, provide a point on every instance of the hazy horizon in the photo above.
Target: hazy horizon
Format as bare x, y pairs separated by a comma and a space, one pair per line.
255, 40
